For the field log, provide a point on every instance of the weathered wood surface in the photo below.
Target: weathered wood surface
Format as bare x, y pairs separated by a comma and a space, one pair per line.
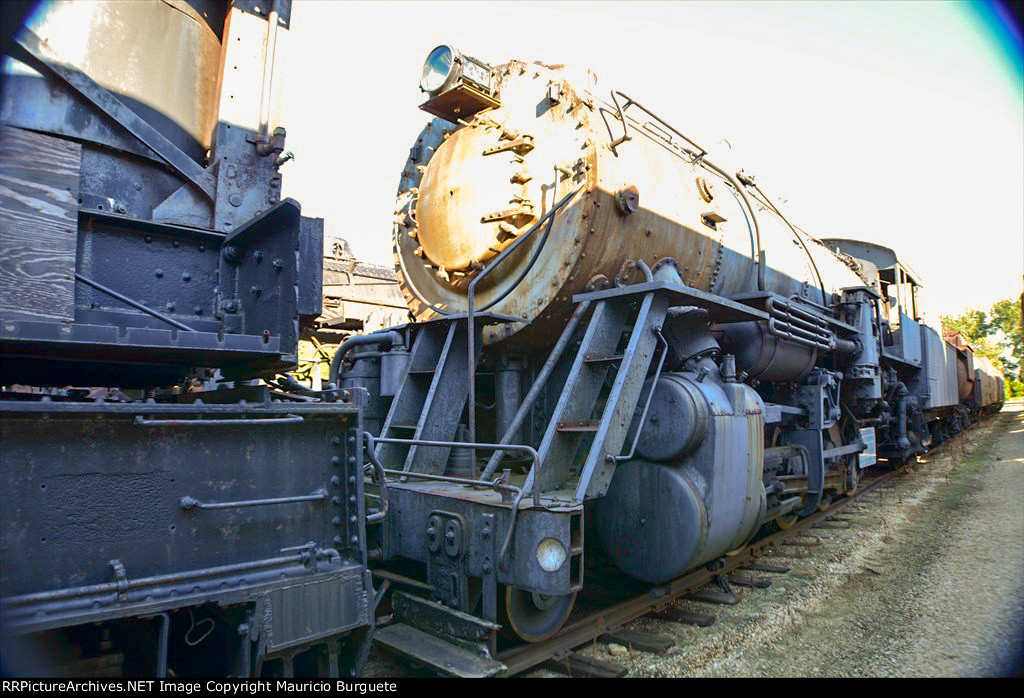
38, 225
676, 615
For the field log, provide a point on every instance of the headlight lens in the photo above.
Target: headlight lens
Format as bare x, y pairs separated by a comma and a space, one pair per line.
550, 554
437, 68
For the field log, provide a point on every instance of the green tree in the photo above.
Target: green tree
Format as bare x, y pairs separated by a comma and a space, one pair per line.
972, 324
1006, 317
996, 335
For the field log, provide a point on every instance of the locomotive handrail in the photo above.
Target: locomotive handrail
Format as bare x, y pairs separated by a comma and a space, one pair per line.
143, 422
647, 405
615, 142
548, 217
497, 484
621, 115
189, 503
529, 450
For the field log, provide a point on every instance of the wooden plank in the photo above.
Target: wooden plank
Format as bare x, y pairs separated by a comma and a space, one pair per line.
38, 225
639, 640
581, 666
767, 567
743, 580
676, 615
719, 597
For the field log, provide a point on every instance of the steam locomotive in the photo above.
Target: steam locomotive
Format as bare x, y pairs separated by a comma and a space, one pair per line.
170, 508
621, 355
624, 355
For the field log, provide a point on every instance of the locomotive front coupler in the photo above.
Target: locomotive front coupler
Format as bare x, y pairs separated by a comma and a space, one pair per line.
462, 528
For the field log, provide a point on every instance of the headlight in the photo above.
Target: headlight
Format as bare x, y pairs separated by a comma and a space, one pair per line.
550, 554
446, 68
437, 69
458, 86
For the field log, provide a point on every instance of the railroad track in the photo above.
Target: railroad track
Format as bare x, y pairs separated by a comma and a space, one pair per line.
607, 623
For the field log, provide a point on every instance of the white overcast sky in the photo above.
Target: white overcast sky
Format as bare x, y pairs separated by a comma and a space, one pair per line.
895, 122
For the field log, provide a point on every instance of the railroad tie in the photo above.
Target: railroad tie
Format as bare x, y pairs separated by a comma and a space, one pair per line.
767, 567
717, 597
677, 615
639, 640
787, 553
585, 667
743, 580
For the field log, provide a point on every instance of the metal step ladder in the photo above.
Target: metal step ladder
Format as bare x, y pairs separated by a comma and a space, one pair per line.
581, 422
431, 396
430, 399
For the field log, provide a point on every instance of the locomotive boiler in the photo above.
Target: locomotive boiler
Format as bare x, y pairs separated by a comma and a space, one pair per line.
624, 355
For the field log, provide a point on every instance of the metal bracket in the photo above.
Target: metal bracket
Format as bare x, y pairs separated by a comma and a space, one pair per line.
121, 575
521, 146
447, 542
489, 580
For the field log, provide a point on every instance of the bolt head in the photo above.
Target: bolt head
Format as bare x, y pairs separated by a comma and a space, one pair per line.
628, 200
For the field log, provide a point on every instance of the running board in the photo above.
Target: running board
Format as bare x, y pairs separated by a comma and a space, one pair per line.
451, 642
443, 656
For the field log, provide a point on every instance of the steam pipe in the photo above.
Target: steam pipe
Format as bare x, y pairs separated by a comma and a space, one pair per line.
382, 479
163, 643
762, 284
345, 347
824, 300
269, 49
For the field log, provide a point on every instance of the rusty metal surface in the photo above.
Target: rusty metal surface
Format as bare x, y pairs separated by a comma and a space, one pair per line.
467, 191
358, 295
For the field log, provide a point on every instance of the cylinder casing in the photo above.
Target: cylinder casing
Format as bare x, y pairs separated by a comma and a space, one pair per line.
661, 519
